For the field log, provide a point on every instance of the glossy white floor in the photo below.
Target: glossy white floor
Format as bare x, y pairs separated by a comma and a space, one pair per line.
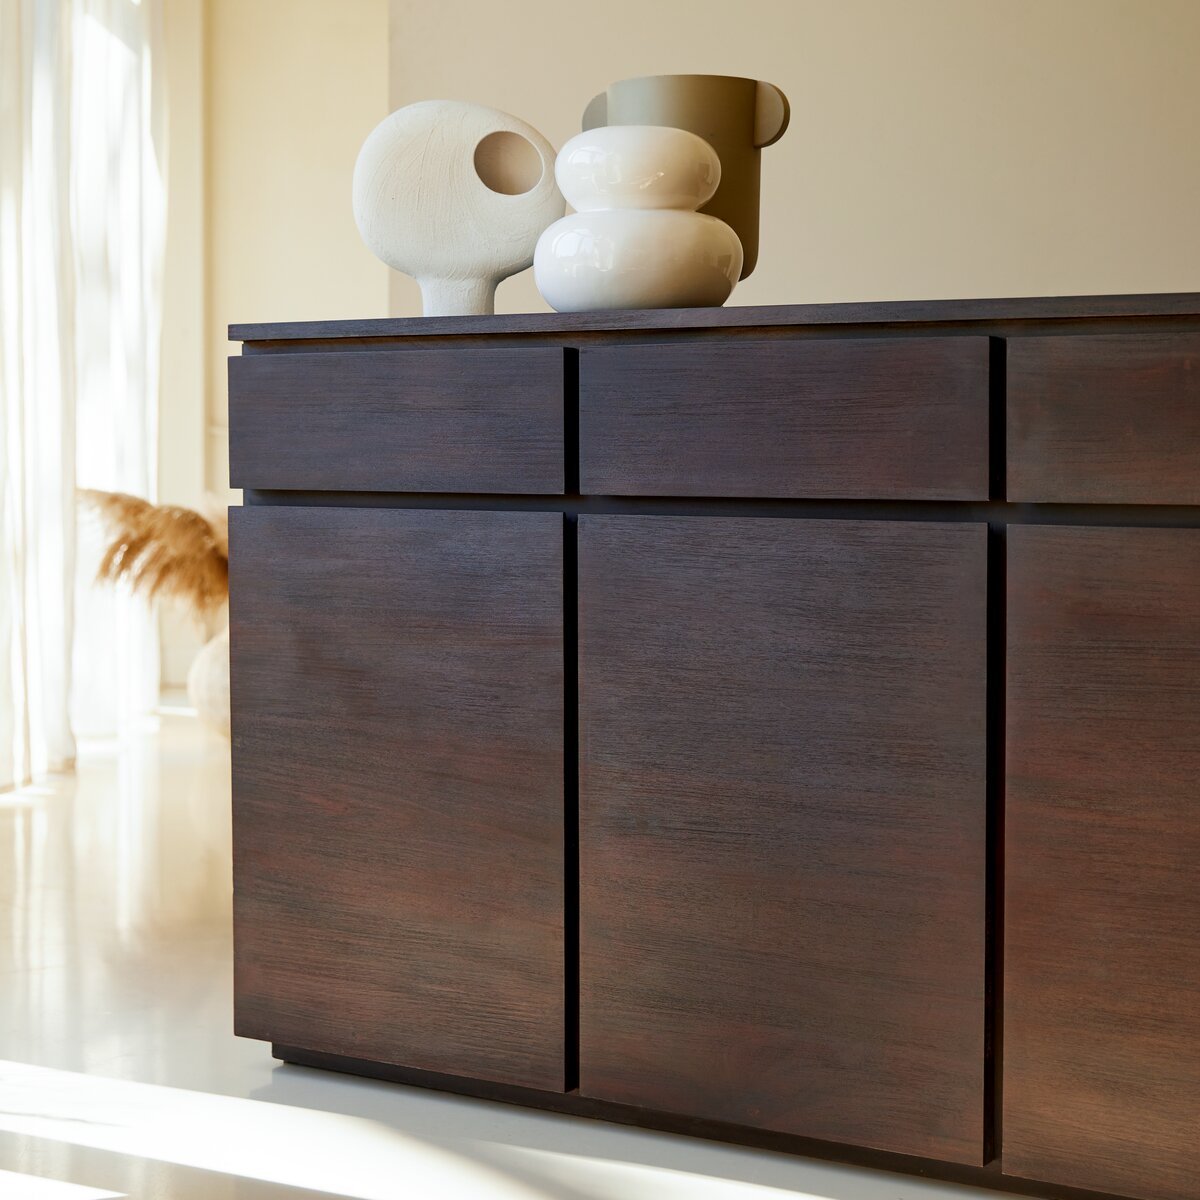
121, 1076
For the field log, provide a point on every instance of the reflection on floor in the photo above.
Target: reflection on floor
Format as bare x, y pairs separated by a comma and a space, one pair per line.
121, 1076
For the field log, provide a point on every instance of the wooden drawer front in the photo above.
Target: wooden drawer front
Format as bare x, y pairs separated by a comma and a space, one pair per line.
783, 825
895, 418
1106, 419
398, 787
1102, 842
470, 420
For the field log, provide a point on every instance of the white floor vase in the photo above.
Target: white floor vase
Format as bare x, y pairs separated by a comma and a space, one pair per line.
208, 683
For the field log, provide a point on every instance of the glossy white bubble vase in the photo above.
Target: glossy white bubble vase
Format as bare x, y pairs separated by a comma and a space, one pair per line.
635, 239
455, 195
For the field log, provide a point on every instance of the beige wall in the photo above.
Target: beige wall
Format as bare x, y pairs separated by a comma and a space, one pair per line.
268, 103
938, 148
182, 401
293, 86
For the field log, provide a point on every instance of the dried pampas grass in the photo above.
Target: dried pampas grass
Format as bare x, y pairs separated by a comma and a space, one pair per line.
164, 549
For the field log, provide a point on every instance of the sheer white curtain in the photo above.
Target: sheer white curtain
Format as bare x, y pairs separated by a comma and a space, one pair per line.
82, 209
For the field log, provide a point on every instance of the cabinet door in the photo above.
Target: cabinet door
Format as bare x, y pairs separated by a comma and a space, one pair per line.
398, 787
1102, 927
783, 830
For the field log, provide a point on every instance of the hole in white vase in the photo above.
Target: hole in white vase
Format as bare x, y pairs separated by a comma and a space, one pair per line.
508, 163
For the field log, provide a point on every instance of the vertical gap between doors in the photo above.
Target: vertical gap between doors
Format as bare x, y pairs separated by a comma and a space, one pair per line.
570, 802
571, 722
997, 585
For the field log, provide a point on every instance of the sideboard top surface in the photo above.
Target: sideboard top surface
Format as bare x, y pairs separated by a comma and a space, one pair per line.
898, 312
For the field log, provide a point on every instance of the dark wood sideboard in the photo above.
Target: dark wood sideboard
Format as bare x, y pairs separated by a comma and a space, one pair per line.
774, 724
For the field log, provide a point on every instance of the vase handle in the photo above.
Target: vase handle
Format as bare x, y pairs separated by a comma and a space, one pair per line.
772, 112
596, 114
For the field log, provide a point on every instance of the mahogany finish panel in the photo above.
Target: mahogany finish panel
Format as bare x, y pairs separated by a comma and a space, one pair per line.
1104, 419
1102, 922
419, 420
783, 825
398, 784
868, 418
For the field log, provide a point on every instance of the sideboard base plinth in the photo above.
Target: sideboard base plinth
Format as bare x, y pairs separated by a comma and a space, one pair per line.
572, 1104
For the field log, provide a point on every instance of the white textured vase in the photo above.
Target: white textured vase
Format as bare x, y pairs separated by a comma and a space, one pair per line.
208, 683
455, 195
636, 240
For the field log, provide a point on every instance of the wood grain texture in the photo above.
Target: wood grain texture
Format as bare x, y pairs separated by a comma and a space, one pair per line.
415, 420
783, 825
1102, 924
890, 312
873, 418
1104, 419
398, 787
